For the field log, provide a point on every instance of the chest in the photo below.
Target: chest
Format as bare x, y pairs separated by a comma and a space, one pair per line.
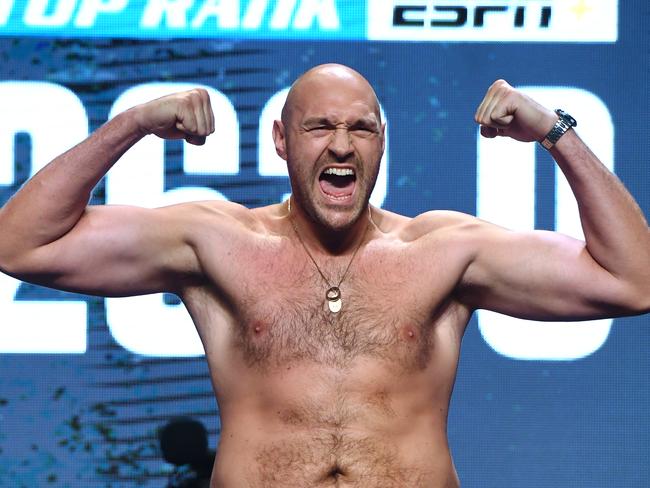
388, 313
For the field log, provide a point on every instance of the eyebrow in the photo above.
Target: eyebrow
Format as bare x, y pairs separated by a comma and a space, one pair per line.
318, 121
363, 121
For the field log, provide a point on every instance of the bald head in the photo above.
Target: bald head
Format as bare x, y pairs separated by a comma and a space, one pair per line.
331, 118
327, 77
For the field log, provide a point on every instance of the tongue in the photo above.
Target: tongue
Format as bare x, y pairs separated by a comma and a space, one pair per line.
343, 188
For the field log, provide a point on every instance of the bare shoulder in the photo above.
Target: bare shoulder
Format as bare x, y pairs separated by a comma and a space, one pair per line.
210, 214
434, 223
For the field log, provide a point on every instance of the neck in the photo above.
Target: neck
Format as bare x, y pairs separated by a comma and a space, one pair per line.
330, 241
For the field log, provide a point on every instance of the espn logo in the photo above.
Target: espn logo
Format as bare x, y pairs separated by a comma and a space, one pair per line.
494, 20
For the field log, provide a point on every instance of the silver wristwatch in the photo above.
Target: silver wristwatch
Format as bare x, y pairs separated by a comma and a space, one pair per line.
563, 124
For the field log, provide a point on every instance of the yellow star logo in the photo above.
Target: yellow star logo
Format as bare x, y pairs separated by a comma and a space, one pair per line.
580, 9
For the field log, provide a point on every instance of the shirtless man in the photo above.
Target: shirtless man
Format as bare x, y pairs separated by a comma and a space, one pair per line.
332, 328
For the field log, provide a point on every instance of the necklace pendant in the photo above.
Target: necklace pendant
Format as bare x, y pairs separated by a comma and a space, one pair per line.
333, 296
335, 306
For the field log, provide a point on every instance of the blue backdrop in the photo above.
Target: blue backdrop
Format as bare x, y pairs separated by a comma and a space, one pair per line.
82, 394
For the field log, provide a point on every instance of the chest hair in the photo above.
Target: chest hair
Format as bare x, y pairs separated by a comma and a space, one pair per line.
284, 325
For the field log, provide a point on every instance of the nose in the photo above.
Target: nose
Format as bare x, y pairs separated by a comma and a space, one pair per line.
340, 144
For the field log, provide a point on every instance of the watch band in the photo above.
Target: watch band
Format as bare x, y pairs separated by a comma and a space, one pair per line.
563, 124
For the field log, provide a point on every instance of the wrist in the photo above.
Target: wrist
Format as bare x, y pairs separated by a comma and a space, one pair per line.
136, 119
546, 125
563, 123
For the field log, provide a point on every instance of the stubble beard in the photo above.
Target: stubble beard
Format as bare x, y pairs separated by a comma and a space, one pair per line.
303, 195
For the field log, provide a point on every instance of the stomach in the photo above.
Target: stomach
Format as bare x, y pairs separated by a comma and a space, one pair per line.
308, 424
275, 453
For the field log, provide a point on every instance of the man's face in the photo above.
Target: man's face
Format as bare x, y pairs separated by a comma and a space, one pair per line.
333, 141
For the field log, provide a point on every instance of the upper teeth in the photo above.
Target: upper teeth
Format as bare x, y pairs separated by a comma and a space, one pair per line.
339, 171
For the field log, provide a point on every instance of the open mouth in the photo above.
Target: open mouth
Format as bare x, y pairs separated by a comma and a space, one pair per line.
338, 183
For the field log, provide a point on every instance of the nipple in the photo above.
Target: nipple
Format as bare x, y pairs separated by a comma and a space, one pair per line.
409, 333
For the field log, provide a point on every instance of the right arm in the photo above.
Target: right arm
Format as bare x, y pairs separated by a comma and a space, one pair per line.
49, 236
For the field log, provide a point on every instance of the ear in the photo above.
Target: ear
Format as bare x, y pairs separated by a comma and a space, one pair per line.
383, 137
280, 139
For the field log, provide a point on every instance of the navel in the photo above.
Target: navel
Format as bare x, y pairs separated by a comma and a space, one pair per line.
335, 472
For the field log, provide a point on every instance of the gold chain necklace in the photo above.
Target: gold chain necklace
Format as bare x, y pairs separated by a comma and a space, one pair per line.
333, 293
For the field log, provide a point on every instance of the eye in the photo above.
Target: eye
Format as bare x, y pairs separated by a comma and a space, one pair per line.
363, 130
318, 130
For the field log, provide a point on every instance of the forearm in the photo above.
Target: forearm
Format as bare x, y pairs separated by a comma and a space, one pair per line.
615, 229
52, 202
560, 276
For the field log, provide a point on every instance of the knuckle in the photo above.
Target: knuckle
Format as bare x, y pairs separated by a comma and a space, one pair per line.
199, 95
194, 95
189, 97
495, 85
185, 100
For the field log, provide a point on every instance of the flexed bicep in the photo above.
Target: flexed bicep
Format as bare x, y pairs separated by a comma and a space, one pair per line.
116, 251
540, 275
51, 237
545, 275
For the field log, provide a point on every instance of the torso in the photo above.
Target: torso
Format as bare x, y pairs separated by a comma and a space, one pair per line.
311, 398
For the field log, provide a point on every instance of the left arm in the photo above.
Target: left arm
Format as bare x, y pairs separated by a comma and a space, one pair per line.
547, 275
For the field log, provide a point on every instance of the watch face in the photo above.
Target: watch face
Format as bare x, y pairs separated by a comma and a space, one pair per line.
566, 117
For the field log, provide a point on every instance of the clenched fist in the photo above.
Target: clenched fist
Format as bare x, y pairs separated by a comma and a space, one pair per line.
185, 115
505, 111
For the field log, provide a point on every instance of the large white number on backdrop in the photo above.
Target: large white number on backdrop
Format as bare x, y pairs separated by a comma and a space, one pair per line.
506, 196
55, 120
145, 324
270, 164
